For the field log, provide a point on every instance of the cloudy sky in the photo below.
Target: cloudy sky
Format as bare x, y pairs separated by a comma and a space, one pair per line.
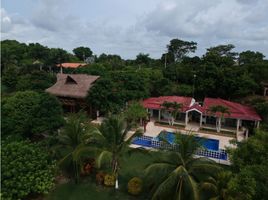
130, 27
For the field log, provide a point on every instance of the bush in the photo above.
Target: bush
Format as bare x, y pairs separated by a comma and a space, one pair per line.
100, 178
109, 180
135, 186
26, 169
29, 113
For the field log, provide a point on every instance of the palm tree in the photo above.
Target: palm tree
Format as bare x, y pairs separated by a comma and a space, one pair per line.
173, 108
177, 174
74, 141
112, 140
222, 110
217, 186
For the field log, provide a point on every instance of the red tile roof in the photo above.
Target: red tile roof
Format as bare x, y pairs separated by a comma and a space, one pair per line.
237, 111
71, 65
156, 102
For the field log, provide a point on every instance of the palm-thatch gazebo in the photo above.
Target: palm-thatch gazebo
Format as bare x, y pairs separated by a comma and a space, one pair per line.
72, 90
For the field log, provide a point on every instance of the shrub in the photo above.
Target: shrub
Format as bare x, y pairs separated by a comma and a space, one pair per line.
135, 186
29, 113
100, 178
109, 180
26, 169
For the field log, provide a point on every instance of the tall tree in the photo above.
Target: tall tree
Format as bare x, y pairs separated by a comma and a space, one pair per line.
28, 113
173, 108
219, 111
37, 51
113, 140
249, 163
250, 57
135, 112
142, 58
82, 53
221, 55
180, 48
217, 186
74, 141
176, 174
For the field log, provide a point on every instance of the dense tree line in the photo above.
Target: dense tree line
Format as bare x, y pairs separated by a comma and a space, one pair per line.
28, 69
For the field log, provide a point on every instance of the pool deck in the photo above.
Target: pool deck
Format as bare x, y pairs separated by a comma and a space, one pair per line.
153, 130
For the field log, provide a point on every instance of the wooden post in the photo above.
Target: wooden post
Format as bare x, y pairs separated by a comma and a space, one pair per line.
201, 119
159, 115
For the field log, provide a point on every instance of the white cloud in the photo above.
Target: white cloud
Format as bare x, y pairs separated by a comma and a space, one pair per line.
144, 27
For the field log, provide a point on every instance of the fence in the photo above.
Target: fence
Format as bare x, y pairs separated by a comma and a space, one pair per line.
148, 141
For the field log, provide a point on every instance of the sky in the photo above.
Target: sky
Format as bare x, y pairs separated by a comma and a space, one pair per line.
130, 27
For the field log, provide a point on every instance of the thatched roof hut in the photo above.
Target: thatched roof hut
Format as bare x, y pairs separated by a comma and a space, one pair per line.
72, 85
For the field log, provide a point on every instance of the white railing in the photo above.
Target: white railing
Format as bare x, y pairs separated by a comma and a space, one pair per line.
220, 154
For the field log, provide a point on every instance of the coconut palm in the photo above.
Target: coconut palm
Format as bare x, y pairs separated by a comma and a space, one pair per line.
173, 108
222, 110
113, 141
217, 186
74, 141
177, 174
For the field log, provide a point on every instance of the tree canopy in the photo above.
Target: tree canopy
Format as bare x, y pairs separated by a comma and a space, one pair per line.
25, 169
27, 113
179, 48
82, 52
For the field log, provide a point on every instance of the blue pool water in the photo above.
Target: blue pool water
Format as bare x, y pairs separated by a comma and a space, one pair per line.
210, 144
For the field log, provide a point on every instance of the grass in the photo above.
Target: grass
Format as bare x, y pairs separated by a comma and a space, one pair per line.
86, 190
131, 165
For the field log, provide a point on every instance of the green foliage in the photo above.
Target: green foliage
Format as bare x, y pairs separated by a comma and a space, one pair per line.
173, 108
73, 144
135, 112
112, 141
38, 51
219, 109
249, 162
36, 81
176, 174
26, 169
179, 48
10, 77
221, 55
250, 57
143, 59
261, 106
110, 93
29, 113
217, 187
134, 186
82, 52
242, 186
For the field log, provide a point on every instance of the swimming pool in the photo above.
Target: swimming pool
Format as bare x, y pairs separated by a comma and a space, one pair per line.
211, 149
210, 144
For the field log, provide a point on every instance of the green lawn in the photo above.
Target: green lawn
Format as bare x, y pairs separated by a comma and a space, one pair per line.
86, 190
132, 165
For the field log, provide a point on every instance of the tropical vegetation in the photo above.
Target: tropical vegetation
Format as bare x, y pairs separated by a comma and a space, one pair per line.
177, 174
26, 170
37, 137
